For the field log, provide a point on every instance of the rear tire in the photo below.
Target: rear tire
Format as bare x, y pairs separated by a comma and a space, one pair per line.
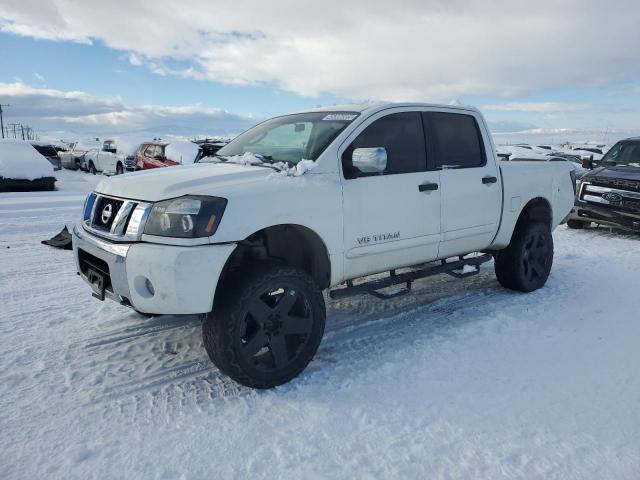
526, 263
266, 327
575, 224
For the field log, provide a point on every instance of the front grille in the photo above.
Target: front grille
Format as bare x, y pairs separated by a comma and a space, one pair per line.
606, 196
117, 219
620, 183
105, 213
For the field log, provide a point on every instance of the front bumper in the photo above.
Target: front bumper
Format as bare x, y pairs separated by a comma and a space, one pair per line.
183, 279
607, 216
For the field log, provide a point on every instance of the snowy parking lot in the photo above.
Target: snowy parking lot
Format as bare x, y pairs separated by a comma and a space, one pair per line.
459, 379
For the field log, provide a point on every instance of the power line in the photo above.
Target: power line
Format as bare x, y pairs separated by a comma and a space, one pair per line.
14, 125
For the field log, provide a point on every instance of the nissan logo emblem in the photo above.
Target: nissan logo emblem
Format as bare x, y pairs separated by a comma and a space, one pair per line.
106, 213
612, 197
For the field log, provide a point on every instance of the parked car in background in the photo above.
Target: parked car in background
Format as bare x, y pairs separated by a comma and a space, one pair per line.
152, 155
105, 160
73, 157
577, 167
208, 147
609, 194
183, 152
23, 168
48, 151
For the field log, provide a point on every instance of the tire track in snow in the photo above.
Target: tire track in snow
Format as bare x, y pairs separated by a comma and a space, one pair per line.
202, 382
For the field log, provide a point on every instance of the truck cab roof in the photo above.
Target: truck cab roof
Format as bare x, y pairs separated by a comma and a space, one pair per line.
374, 107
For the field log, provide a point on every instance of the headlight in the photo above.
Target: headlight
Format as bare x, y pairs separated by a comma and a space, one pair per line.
186, 217
88, 206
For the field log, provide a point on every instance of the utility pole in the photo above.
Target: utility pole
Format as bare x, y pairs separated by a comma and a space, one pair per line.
2, 124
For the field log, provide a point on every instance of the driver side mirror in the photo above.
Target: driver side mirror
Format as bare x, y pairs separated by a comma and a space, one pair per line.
587, 162
370, 160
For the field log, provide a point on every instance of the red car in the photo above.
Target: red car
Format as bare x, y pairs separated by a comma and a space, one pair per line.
152, 155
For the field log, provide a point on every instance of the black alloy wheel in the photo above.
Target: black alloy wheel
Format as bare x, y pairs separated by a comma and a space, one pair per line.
526, 263
266, 326
276, 327
535, 256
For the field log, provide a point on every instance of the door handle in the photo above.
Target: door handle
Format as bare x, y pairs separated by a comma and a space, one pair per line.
428, 187
487, 180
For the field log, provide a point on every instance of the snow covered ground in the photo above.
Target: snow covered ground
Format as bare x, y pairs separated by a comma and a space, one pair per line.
460, 379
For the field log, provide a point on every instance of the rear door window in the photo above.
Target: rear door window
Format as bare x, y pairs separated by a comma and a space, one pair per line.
457, 140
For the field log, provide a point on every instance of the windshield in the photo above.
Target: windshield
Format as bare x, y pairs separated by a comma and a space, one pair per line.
291, 138
623, 154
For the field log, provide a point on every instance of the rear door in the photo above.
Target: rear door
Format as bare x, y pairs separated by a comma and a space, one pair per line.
390, 219
471, 189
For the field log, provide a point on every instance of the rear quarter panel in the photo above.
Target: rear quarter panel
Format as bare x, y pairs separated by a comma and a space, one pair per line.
526, 181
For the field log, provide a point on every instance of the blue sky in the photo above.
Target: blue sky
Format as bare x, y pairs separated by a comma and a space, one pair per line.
202, 68
104, 72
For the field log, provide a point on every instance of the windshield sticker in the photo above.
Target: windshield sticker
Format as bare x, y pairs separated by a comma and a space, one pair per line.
341, 116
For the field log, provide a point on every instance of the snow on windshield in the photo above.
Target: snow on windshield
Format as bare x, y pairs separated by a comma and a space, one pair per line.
248, 158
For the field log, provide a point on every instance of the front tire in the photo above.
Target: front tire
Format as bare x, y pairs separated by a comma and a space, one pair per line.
526, 263
119, 169
92, 168
267, 326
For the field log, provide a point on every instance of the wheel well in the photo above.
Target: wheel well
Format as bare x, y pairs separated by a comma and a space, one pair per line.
537, 210
288, 244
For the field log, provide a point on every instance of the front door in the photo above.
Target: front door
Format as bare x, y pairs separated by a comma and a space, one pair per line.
391, 219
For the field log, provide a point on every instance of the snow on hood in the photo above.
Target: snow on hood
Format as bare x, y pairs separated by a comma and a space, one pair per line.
19, 160
211, 178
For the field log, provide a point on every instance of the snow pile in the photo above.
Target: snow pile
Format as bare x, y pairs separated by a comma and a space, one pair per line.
19, 160
518, 151
128, 146
86, 145
247, 158
298, 169
284, 168
182, 151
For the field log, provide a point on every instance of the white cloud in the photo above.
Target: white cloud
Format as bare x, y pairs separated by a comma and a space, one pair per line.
535, 107
407, 49
78, 112
39, 77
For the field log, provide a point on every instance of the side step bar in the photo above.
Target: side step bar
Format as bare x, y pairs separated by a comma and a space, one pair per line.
407, 278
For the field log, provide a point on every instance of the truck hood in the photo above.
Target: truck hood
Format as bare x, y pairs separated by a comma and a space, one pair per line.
625, 173
170, 182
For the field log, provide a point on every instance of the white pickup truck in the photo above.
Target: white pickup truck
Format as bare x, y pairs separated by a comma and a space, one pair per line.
107, 160
317, 201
